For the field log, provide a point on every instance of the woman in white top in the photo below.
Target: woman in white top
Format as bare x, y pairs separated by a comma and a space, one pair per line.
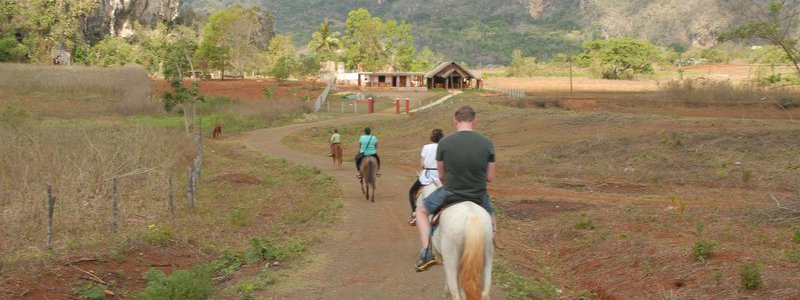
428, 173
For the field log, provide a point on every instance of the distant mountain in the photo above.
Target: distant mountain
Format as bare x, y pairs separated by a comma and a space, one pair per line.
482, 32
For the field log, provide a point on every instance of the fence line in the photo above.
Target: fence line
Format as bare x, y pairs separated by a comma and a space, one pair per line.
512, 92
324, 95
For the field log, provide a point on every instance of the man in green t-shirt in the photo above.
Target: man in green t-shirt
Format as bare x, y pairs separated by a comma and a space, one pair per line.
465, 160
336, 139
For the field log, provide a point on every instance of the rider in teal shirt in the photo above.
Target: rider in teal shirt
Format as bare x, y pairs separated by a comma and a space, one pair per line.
368, 145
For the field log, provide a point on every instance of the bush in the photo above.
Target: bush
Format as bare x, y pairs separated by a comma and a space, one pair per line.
180, 285
750, 276
90, 291
158, 235
702, 250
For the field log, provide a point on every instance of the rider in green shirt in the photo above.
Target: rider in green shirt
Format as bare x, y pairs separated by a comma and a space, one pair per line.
335, 139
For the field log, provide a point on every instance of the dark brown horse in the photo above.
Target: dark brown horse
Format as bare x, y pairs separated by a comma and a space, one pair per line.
369, 170
336, 153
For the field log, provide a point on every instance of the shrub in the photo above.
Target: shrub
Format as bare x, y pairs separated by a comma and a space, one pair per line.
702, 250
750, 276
90, 291
585, 223
180, 285
158, 235
796, 237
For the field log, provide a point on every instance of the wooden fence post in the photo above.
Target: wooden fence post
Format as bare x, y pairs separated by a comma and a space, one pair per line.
51, 201
170, 202
114, 205
190, 188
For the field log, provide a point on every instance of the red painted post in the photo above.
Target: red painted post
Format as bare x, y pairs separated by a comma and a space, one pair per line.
408, 105
397, 105
371, 105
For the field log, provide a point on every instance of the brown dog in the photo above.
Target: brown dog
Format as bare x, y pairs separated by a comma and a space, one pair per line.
217, 130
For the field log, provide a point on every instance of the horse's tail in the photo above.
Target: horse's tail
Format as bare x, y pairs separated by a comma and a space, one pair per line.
370, 172
470, 274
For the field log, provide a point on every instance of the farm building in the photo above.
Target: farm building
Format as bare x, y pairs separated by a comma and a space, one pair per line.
451, 75
447, 75
392, 80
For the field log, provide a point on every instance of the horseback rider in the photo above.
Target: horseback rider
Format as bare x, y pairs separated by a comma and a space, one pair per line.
368, 146
336, 139
466, 163
428, 173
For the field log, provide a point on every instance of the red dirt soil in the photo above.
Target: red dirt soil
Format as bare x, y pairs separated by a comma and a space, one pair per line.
249, 89
123, 275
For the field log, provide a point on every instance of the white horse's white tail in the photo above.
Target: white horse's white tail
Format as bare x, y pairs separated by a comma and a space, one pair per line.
470, 274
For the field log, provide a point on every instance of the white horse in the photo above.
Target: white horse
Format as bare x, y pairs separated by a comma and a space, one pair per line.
463, 243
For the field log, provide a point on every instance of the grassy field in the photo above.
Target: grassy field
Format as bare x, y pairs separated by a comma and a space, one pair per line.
609, 204
77, 128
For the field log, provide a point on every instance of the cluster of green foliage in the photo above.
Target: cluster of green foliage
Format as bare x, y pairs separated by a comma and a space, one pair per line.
750, 276
702, 250
194, 284
620, 58
33, 30
90, 291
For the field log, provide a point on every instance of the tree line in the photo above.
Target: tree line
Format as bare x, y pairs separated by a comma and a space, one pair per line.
236, 41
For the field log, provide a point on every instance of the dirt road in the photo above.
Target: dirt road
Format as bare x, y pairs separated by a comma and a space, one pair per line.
372, 251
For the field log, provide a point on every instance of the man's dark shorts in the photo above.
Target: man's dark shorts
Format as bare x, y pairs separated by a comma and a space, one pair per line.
436, 200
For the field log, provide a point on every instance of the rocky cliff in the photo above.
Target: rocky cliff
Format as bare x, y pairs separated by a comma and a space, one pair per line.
116, 17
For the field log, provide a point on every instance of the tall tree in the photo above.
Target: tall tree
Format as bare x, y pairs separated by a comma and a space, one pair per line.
363, 38
778, 25
282, 55
398, 45
619, 58
234, 36
325, 42
426, 60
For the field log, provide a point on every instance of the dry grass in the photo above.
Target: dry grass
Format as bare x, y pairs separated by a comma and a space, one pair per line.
79, 160
695, 92
90, 91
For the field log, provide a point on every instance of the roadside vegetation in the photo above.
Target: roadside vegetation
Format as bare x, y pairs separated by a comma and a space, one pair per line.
81, 128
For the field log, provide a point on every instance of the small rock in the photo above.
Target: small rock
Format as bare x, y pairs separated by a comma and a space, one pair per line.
276, 263
109, 293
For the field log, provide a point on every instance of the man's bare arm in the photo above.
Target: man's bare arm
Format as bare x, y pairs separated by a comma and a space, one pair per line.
440, 168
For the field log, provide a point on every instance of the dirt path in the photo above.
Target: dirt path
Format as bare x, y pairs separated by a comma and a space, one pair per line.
372, 250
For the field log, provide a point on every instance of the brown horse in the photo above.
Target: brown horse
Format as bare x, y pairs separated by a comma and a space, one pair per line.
336, 153
369, 170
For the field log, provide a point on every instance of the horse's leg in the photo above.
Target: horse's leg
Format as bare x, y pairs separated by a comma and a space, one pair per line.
487, 263
450, 260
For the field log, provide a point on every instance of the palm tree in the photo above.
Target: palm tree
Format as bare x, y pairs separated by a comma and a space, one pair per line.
324, 42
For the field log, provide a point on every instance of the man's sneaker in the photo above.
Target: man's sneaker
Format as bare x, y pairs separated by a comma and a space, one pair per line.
358, 175
412, 219
426, 260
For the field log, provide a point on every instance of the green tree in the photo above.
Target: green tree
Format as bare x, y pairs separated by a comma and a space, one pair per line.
309, 67
184, 97
233, 37
777, 25
426, 60
113, 51
363, 48
398, 44
618, 58
177, 53
324, 42
282, 54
